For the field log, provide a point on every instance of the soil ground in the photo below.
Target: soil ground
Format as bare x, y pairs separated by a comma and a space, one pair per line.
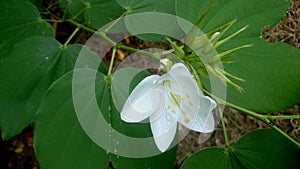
18, 153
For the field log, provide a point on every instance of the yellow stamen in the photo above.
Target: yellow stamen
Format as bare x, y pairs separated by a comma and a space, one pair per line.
174, 101
191, 103
169, 107
187, 120
178, 97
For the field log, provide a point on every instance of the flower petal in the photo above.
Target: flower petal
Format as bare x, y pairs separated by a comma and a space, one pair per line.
143, 101
187, 94
164, 127
204, 121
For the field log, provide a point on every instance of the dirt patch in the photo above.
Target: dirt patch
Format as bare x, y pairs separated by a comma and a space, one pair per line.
288, 29
18, 153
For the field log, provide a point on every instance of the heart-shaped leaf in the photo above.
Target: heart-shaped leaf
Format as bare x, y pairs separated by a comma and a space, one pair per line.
254, 13
62, 134
59, 140
19, 20
263, 148
269, 70
26, 73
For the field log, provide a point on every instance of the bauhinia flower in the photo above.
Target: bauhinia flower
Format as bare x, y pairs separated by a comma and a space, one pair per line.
168, 99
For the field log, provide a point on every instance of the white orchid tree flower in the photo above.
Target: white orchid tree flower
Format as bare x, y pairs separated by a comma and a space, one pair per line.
165, 64
168, 99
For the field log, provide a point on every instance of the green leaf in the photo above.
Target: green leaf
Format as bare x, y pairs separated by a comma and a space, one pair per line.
76, 9
218, 160
96, 13
271, 73
263, 148
59, 140
102, 12
254, 13
153, 26
271, 78
37, 3
59, 137
19, 20
165, 161
26, 73
138, 6
157, 6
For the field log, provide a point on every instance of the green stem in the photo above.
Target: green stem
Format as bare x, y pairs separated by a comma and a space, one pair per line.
109, 40
80, 12
52, 5
155, 56
263, 118
165, 52
81, 26
55, 21
71, 36
114, 22
283, 117
247, 112
112, 61
227, 144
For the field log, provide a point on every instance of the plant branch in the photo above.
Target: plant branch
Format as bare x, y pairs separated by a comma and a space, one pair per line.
227, 144
284, 117
155, 56
112, 61
80, 12
53, 20
114, 22
263, 118
71, 36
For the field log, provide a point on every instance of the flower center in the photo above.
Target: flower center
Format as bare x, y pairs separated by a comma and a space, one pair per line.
175, 100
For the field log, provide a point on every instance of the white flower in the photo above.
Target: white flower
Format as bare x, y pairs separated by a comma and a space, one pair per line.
164, 63
168, 99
